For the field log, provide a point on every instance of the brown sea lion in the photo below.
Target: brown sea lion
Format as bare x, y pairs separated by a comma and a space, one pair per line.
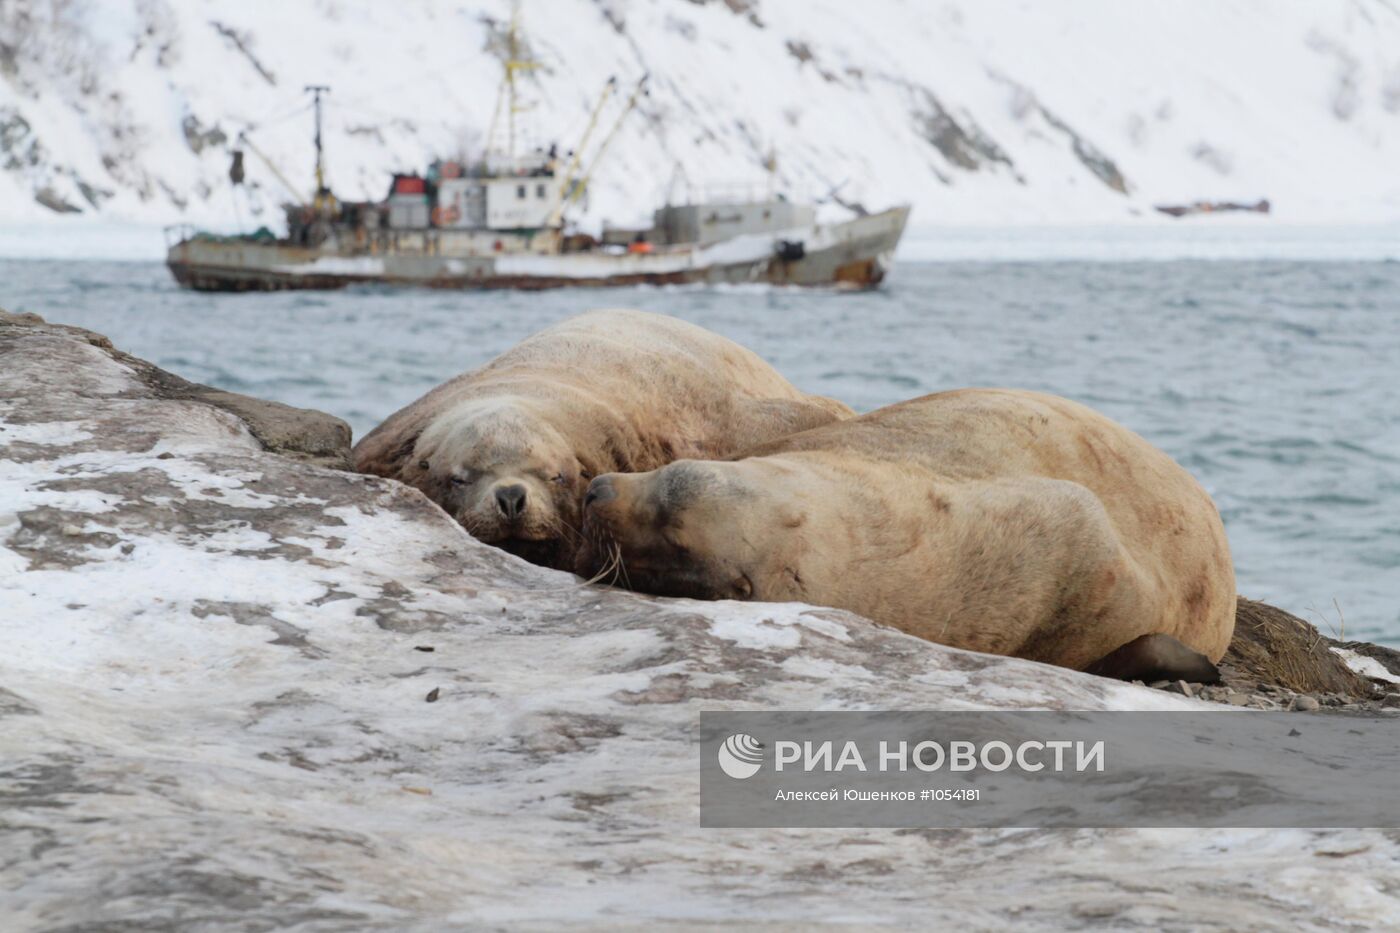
1001, 521
508, 449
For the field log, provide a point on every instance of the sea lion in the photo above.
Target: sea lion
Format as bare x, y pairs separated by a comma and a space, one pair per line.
1001, 521
508, 449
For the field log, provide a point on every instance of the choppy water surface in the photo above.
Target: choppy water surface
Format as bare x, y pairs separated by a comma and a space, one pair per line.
1275, 383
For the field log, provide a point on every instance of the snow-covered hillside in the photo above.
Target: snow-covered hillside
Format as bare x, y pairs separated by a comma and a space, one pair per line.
976, 111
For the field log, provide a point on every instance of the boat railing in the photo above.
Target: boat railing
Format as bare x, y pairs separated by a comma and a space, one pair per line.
178, 233
496, 165
727, 192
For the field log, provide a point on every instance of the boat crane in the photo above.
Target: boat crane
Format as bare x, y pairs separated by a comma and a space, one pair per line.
583, 181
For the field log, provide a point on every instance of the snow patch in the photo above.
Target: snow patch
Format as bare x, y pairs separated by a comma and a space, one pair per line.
1366, 667
769, 625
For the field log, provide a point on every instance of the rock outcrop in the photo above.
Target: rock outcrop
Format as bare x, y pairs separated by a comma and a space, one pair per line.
242, 690
299, 433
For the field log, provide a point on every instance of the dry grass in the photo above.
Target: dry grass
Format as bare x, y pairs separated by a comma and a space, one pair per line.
1271, 646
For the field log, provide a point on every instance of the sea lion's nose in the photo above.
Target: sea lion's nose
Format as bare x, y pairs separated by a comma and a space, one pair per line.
511, 500
599, 491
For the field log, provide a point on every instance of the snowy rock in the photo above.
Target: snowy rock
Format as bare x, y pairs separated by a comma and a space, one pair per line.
212, 714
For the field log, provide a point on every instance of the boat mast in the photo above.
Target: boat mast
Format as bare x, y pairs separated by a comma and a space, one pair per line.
514, 62
322, 192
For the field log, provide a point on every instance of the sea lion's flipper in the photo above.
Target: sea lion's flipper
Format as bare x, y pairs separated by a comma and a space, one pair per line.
1156, 657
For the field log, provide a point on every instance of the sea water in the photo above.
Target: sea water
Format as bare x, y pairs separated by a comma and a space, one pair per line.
1276, 383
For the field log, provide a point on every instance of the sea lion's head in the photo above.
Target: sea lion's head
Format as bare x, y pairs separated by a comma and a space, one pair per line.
507, 474
698, 529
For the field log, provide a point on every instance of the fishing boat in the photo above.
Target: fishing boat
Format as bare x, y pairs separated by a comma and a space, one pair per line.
501, 221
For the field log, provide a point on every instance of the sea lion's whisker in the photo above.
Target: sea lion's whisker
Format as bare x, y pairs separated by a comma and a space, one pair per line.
612, 564
606, 569
622, 566
610, 570
559, 528
602, 544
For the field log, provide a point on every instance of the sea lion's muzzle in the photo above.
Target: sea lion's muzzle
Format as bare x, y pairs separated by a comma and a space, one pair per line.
510, 501
602, 508
607, 521
599, 491
633, 529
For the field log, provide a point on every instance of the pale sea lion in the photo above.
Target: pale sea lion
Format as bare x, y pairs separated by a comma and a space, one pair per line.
1001, 521
508, 449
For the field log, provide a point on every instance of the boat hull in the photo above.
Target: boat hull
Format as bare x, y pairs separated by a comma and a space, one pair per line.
856, 254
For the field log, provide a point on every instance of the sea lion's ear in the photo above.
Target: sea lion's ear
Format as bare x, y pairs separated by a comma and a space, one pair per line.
405, 459
589, 466
387, 459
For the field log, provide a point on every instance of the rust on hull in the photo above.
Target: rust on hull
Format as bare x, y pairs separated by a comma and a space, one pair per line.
863, 275
215, 279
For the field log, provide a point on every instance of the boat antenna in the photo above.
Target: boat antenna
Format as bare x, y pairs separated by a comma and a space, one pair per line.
316, 90
678, 174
